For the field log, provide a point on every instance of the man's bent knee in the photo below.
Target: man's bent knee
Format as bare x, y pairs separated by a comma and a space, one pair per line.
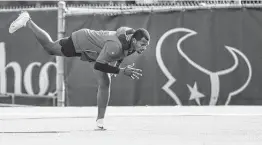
53, 49
49, 51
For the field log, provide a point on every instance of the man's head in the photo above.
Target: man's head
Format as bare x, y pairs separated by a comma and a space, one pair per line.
140, 40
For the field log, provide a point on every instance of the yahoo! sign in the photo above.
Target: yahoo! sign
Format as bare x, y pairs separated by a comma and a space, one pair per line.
26, 78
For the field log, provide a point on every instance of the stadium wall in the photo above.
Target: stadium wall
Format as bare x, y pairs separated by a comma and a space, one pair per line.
195, 57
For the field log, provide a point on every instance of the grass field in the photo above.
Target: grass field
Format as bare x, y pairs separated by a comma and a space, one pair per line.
132, 126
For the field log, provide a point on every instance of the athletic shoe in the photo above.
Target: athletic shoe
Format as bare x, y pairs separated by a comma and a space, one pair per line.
20, 22
100, 124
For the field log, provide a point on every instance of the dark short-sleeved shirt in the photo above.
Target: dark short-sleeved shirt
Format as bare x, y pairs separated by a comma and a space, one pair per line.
102, 46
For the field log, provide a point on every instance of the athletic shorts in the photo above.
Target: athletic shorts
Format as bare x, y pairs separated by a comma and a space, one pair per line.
68, 48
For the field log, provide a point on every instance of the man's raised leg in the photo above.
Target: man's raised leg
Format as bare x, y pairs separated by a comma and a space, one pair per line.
24, 20
53, 48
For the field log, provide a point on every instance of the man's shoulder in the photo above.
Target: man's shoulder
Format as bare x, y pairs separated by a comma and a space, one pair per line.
124, 30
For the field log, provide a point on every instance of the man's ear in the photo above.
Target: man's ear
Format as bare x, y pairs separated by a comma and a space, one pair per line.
134, 40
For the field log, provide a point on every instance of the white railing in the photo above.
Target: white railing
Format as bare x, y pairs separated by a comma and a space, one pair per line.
13, 96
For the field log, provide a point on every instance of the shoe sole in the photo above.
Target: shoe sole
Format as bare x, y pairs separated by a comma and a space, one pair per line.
19, 18
100, 129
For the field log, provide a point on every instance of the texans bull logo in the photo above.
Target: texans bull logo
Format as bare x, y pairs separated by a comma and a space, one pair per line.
213, 76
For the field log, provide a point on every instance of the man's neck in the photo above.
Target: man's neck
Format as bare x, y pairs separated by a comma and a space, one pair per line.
130, 42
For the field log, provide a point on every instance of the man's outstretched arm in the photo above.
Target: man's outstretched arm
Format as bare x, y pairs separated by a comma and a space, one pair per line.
104, 67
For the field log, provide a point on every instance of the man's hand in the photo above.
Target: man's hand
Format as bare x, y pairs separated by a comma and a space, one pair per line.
134, 73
